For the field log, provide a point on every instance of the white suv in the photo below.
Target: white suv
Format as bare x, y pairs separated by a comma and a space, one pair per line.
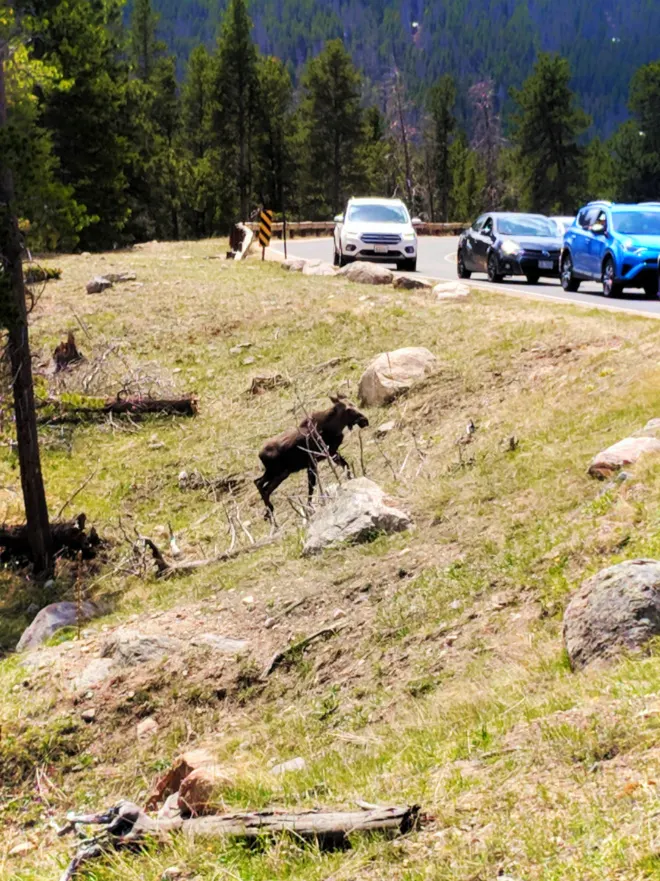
378, 230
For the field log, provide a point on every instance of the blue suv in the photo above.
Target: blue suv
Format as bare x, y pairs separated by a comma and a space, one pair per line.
618, 245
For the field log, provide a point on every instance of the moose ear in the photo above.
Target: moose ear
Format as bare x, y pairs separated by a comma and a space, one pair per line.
334, 399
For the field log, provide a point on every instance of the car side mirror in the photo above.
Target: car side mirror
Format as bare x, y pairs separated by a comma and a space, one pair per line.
339, 218
416, 221
598, 229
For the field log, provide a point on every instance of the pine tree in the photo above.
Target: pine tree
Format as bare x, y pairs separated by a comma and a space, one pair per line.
546, 131
235, 90
636, 145
441, 102
275, 171
145, 48
88, 120
333, 130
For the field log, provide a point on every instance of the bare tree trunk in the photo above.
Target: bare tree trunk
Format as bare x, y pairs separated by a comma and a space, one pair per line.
398, 86
13, 313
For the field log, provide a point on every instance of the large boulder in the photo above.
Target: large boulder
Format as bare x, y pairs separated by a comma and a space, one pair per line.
129, 648
200, 792
353, 512
451, 290
362, 272
621, 454
618, 608
183, 765
392, 373
51, 619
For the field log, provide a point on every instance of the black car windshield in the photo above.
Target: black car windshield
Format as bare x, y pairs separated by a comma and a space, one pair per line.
636, 223
377, 214
521, 225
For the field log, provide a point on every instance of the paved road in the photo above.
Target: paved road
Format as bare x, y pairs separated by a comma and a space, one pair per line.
437, 259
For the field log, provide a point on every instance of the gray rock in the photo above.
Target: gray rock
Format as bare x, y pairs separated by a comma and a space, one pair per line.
355, 512
98, 284
297, 764
362, 272
129, 648
51, 619
120, 277
293, 265
96, 671
392, 373
618, 608
411, 283
451, 290
313, 267
625, 452
88, 715
220, 643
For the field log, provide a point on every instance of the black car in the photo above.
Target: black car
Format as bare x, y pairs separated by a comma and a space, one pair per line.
504, 243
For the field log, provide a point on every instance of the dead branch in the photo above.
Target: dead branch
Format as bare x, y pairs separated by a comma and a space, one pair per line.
128, 826
284, 654
134, 406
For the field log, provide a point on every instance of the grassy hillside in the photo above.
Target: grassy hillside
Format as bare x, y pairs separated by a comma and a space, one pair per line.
447, 684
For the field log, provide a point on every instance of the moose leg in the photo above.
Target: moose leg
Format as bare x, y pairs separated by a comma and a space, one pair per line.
338, 459
268, 487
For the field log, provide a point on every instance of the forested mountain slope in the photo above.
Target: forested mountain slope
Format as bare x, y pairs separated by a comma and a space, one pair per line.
605, 42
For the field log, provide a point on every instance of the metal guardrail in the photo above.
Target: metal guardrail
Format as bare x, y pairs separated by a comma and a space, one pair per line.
310, 228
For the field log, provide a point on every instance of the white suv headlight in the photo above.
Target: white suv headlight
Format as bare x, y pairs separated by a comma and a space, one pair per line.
510, 247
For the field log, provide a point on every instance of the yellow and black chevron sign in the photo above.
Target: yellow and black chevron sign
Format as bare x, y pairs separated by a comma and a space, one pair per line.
265, 227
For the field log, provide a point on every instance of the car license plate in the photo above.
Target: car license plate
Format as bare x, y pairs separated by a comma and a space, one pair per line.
380, 249
545, 264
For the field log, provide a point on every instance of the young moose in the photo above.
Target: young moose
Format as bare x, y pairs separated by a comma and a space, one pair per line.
318, 437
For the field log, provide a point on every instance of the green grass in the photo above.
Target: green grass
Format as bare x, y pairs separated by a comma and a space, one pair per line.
449, 686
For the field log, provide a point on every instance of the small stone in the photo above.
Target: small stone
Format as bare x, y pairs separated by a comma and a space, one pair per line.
297, 764
98, 284
248, 600
456, 604
337, 614
49, 585
385, 428
88, 715
32, 609
146, 728
236, 350
21, 849
269, 623
249, 360
171, 872
622, 476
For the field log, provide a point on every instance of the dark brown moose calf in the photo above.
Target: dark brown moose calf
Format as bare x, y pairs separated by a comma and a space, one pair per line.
318, 437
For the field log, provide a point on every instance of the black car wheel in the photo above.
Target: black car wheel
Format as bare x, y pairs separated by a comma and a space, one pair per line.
568, 281
343, 261
651, 288
494, 273
532, 277
611, 288
407, 265
335, 258
460, 266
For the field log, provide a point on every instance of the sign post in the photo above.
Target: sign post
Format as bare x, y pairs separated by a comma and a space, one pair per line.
265, 230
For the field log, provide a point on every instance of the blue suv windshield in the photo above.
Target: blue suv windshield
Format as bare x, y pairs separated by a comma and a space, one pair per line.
526, 226
636, 223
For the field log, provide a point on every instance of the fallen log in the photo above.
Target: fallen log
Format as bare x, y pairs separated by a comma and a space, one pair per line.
70, 539
134, 406
128, 826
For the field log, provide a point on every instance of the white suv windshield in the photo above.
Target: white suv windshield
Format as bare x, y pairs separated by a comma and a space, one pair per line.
636, 223
377, 214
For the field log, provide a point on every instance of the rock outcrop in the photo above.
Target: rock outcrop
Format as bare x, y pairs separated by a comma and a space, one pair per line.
451, 290
618, 608
51, 619
627, 451
392, 373
362, 272
356, 511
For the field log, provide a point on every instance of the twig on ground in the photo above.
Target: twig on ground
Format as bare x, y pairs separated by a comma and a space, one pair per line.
281, 656
76, 493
